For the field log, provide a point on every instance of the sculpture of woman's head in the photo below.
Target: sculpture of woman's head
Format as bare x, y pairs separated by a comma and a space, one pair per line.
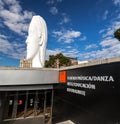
34, 36
36, 41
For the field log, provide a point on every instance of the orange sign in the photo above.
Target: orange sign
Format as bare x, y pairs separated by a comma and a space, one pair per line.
62, 76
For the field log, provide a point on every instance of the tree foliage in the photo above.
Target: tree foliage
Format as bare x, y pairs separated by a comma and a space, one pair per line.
117, 34
63, 60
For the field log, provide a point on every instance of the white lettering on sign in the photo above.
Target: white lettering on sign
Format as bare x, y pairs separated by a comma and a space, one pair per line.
92, 78
82, 85
81, 92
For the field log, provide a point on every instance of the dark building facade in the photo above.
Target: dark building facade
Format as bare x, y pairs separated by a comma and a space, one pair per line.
88, 94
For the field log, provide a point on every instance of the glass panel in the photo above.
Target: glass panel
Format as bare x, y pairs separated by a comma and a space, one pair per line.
48, 105
22, 92
11, 103
41, 92
48, 101
11, 93
40, 104
30, 105
21, 106
32, 92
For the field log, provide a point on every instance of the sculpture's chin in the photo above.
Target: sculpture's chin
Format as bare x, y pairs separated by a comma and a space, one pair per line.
29, 56
31, 53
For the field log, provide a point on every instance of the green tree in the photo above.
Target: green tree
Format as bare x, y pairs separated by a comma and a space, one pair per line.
63, 60
117, 34
50, 62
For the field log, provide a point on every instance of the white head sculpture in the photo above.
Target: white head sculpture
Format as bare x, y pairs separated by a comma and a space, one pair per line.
36, 41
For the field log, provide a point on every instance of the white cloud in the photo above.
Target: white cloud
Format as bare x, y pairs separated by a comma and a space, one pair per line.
51, 2
57, 33
109, 42
59, 0
116, 2
109, 31
53, 6
19, 52
105, 15
53, 10
69, 53
101, 31
5, 46
115, 25
91, 46
65, 19
110, 48
118, 16
53, 52
3, 36
101, 54
83, 38
66, 36
69, 47
11, 2
14, 17
13, 50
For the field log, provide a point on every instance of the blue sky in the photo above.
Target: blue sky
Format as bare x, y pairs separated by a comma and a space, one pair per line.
76, 28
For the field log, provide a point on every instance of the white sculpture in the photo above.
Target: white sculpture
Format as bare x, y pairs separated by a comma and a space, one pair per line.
36, 41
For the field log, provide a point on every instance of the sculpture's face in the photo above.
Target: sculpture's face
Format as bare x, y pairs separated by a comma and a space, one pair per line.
32, 42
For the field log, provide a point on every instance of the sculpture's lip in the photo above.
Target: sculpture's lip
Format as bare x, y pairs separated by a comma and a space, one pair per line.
28, 48
28, 51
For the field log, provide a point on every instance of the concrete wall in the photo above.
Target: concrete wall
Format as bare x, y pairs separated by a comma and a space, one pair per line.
93, 63
17, 76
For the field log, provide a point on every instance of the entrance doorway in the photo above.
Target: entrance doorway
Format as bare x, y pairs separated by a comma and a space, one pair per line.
28, 104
